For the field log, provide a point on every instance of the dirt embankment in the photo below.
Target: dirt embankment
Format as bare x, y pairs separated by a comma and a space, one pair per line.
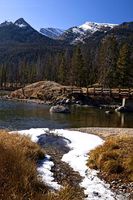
46, 91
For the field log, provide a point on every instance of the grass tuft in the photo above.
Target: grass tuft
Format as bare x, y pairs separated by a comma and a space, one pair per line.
114, 158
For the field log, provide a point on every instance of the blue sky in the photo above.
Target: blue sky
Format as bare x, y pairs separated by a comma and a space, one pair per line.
66, 13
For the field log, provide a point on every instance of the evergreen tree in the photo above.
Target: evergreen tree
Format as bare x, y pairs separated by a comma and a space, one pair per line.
107, 62
124, 70
62, 74
78, 68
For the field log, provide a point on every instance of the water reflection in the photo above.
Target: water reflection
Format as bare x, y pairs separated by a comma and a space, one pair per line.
17, 115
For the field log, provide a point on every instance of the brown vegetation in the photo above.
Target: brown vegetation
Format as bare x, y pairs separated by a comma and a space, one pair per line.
43, 90
18, 174
114, 158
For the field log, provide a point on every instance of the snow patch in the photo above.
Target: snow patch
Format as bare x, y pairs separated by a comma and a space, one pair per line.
93, 26
45, 173
76, 30
51, 32
81, 144
20, 25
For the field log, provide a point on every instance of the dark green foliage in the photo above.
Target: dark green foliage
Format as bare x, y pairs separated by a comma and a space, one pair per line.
78, 68
108, 55
124, 68
62, 74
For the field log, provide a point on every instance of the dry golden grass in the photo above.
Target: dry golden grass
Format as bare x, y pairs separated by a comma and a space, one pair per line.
18, 174
28, 148
67, 193
114, 158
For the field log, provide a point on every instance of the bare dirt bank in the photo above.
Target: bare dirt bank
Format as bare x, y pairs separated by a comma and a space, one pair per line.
106, 132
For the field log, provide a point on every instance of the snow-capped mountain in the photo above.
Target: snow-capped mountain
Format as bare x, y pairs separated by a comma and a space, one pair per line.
22, 32
21, 23
73, 35
53, 33
79, 33
93, 26
6, 23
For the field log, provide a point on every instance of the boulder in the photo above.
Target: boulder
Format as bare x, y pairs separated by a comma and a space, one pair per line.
59, 109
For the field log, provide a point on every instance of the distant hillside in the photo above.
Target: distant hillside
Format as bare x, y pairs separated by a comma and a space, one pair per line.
53, 33
88, 54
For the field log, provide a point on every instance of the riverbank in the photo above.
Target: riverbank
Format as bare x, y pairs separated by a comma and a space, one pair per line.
69, 147
118, 140
105, 133
79, 145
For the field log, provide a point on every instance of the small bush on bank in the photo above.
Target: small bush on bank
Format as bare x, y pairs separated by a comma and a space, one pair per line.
114, 158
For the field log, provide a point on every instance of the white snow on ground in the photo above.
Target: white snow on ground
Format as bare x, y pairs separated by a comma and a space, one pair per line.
80, 145
45, 173
34, 133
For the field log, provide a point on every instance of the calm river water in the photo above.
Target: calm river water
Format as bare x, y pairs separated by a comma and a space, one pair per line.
18, 116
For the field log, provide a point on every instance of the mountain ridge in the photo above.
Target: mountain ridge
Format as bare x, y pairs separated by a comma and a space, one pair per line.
50, 32
27, 56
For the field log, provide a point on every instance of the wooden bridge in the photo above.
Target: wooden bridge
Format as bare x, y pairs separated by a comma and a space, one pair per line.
117, 93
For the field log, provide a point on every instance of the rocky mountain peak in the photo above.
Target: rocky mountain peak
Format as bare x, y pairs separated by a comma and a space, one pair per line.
21, 23
6, 23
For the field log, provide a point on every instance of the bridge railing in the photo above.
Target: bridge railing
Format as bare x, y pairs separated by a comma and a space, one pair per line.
116, 92
100, 91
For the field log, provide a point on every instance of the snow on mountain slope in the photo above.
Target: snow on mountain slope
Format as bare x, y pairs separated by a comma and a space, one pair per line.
21, 23
79, 33
93, 26
53, 33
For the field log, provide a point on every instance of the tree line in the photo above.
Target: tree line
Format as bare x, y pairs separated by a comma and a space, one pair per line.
110, 64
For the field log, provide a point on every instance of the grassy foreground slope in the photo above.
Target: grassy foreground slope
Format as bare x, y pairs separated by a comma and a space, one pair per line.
18, 174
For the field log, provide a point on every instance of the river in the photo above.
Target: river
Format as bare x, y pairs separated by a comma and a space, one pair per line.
18, 115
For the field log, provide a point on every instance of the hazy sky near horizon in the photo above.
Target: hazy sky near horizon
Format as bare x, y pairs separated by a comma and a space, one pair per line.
66, 13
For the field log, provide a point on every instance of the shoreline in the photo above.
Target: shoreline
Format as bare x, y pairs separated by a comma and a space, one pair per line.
120, 188
105, 132
36, 101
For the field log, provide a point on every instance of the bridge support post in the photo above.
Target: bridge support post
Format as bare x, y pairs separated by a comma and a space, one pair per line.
123, 102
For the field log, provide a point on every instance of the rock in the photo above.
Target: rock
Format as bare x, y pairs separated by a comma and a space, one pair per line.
59, 109
114, 182
96, 194
108, 112
68, 101
124, 109
79, 102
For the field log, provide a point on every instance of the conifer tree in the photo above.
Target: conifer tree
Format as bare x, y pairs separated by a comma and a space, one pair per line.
124, 71
78, 68
62, 74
